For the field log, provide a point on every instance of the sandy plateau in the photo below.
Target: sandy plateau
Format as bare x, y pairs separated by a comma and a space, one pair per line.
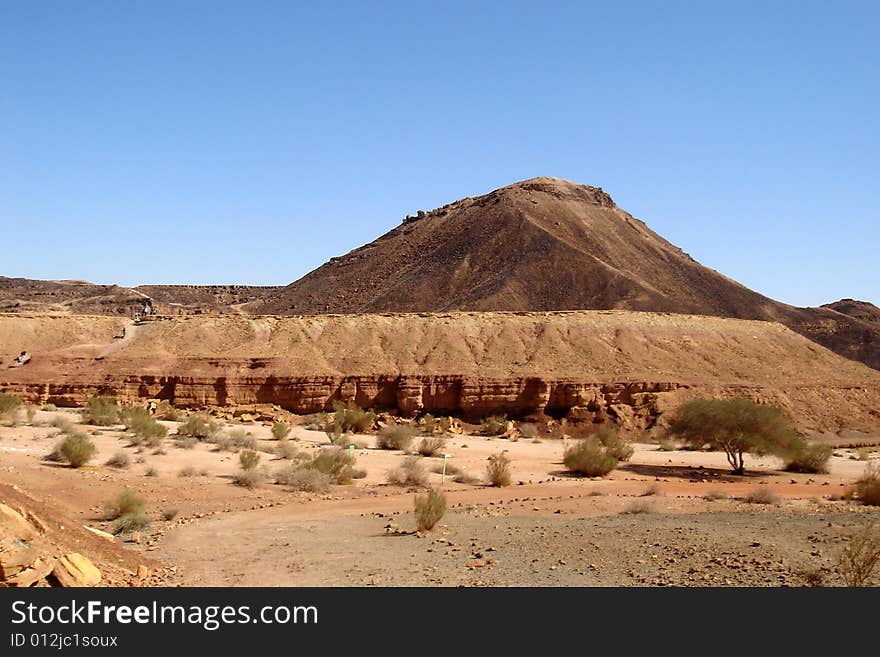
663, 518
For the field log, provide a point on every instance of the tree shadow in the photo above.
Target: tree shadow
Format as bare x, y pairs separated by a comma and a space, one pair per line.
689, 472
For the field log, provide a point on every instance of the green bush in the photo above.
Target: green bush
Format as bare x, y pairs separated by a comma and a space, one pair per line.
860, 556
396, 436
198, 426
428, 423
352, 418
77, 449
429, 509
126, 503
409, 473
280, 430
736, 426
589, 457
493, 426
285, 449
336, 463
249, 478
144, 426
101, 411
498, 470
248, 459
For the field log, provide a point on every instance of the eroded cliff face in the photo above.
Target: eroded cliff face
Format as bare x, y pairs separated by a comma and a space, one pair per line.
630, 369
631, 406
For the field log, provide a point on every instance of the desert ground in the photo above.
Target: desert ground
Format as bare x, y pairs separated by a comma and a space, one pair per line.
663, 518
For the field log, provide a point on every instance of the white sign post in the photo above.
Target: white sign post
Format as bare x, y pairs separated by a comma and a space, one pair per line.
446, 457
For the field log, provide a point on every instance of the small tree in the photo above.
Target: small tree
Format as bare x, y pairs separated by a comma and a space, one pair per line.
737, 426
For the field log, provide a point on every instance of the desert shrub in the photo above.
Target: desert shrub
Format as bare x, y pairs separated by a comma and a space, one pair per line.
431, 445
62, 423
528, 431
336, 463
51, 408
30, 412
429, 508
867, 488
352, 418
762, 495
493, 426
237, 439
185, 442
807, 457
119, 460
101, 411
667, 444
714, 495
165, 411
637, 506
187, 471
130, 522
462, 477
144, 426
358, 473
589, 457
55, 456
428, 424
169, 514
409, 473
736, 426
249, 478
151, 472
280, 430
615, 446
127, 502
77, 449
860, 556
286, 449
863, 454
344, 440
651, 490
9, 405
396, 436
303, 478
318, 421
498, 470
199, 426
248, 459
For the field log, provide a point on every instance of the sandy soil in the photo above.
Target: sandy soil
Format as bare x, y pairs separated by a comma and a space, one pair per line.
545, 529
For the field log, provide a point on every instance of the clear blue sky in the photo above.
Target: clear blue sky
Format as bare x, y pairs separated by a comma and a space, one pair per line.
248, 142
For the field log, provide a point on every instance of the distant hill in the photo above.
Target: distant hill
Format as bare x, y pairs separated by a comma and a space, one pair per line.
549, 244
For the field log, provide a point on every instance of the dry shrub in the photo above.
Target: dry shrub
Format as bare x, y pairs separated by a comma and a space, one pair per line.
429, 509
305, 479
9, 404
248, 459
77, 449
62, 423
188, 471
249, 478
637, 506
493, 426
185, 442
714, 495
126, 503
762, 495
169, 514
280, 430
809, 458
130, 522
498, 470
30, 413
863, 454
286, 450
667, 444
860, 557
50, 408
867, 488
151, 472
589, 457
428, 423
165, 411
651, 490
431, 446
199, 426
409, 473
396, 436
144, 426
336, 463
101, 411
119, 460
615, 446
235, 440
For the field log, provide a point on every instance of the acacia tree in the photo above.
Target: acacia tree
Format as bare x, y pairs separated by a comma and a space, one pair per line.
737, 426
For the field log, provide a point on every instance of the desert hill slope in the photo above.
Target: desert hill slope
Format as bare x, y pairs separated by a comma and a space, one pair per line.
545, 244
